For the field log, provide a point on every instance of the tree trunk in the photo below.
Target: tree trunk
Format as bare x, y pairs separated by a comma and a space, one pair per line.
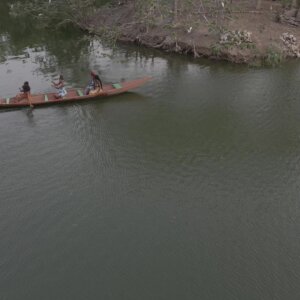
258, 4
175, 11
294, 3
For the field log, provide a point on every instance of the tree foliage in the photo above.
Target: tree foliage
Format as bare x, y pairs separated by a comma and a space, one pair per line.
55, 11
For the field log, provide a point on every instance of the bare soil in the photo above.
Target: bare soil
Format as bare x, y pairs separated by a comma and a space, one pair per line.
200, 40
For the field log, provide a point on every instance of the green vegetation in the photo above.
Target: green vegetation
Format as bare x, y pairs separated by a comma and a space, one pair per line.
216, 50
59, 12
273, 57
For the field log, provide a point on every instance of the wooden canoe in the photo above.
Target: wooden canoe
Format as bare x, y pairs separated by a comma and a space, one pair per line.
74, 95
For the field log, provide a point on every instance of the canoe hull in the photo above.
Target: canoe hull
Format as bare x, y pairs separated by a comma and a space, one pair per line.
74, 95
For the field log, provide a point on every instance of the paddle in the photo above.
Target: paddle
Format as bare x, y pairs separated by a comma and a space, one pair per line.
29, 100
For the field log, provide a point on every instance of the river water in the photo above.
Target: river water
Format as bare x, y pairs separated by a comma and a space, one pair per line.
187, 188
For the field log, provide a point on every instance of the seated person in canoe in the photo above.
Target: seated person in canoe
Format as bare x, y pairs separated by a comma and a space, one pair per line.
95, 85
24, 93
60, 86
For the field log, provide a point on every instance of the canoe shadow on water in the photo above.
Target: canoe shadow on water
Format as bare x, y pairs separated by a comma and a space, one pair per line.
125, 97
28, 110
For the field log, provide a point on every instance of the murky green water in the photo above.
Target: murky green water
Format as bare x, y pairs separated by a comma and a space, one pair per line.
187, 189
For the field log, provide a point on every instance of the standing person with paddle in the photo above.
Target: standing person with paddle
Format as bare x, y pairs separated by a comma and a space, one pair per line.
25, 93
95, 85
60, 85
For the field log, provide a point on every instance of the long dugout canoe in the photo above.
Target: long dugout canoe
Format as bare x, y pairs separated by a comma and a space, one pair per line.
74, 94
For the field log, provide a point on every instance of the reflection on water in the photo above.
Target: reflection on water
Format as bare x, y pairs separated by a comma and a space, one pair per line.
185, 189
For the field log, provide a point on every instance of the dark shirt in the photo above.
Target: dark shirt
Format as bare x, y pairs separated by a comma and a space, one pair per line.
25, 88
98, 82
95, 83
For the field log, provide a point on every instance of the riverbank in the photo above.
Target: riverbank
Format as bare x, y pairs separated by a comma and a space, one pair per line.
243, 35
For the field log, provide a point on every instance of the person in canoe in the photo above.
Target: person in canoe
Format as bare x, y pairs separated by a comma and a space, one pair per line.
24, 93
95, 85
60, 86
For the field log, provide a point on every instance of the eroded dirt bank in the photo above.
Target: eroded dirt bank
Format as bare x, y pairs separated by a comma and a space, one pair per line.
244, 36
